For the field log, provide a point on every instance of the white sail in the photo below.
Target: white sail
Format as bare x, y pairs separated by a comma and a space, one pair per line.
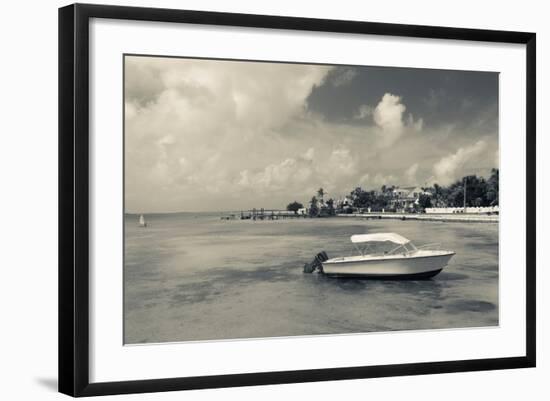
142, 221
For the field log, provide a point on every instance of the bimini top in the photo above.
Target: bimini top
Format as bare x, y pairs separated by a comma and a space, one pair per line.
379, 237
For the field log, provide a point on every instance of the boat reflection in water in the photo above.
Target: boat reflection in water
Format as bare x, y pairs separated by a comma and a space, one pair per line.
403, 261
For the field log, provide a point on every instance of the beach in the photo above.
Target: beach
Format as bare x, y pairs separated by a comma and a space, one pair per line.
195, 277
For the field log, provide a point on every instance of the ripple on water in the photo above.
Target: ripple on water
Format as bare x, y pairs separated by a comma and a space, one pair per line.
470, 306
445, 276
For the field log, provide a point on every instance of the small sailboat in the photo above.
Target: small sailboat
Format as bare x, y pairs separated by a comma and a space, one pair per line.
142, 222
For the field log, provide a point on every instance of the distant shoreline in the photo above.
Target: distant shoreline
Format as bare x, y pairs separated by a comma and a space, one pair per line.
461, 218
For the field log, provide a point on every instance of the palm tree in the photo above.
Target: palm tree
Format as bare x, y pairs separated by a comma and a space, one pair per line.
314, 208
321, 193
438, 195
330, 207
492, 187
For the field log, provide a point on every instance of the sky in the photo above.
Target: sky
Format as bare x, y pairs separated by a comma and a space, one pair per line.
214, 135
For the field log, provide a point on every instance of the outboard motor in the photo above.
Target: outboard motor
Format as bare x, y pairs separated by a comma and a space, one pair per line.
316, 263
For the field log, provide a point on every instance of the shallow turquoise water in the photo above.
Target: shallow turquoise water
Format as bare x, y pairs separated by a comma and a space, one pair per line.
197, 277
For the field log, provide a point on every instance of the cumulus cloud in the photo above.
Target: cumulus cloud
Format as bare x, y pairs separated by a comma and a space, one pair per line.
277, 176
309, 154
449, 167
342, 76
388, 117
297, 174
410, 174
227, 135
197, 128
143, 80
364, 112
341, 162
416, 125
365, 179
388, 114
381, 179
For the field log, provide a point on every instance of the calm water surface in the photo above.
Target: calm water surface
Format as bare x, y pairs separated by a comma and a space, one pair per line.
196, 277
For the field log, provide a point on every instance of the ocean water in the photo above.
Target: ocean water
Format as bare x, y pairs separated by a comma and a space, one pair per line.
196, 277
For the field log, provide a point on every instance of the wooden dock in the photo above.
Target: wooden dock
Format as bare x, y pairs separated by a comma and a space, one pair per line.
263, 214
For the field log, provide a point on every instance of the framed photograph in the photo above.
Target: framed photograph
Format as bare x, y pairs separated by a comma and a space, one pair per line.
251, 199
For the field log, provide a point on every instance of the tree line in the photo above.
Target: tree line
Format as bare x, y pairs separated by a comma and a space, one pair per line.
318, 207
479, 192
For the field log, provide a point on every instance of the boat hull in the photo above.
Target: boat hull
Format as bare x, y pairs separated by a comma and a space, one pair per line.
406, 267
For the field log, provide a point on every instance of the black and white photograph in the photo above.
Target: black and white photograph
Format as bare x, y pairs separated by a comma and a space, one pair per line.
275, 200
267, 199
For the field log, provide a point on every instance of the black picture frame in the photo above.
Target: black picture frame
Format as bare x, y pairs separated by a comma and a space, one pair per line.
74, 198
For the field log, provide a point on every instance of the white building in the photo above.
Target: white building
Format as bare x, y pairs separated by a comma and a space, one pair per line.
406, 197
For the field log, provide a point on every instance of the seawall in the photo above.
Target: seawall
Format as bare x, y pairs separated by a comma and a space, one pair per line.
463, 218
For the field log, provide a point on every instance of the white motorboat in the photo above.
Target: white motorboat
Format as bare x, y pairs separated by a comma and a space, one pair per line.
403, 261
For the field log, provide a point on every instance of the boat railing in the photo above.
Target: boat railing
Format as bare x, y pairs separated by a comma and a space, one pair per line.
407, 248
432, 245
410, 248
